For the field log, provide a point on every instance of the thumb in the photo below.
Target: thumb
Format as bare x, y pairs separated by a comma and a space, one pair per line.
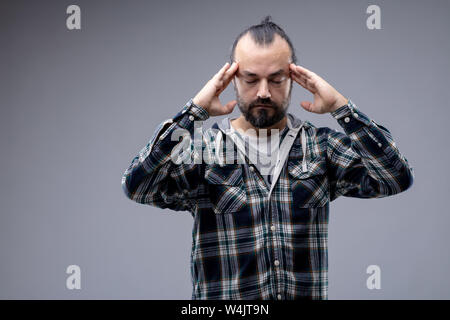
230, 106
307, 105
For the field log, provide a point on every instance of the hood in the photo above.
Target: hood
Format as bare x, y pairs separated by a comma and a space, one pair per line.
294, 124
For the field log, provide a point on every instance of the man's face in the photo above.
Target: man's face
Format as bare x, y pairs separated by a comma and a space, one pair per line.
263, 80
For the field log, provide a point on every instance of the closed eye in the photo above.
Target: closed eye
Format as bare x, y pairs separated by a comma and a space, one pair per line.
273, 81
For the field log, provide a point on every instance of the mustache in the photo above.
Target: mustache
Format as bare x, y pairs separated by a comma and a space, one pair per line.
270, 105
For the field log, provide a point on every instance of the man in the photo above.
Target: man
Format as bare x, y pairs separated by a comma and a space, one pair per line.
260, 229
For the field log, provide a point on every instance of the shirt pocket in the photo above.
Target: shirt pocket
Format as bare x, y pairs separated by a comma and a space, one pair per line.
226, 188
310, 189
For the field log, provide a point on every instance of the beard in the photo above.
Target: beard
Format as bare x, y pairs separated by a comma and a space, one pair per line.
261, 118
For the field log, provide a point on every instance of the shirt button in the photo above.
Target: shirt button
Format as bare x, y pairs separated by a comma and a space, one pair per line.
347, 119
272, 228
191, 117
277, 263
379, 144
252, 169
161, 138
355, 115
279, 297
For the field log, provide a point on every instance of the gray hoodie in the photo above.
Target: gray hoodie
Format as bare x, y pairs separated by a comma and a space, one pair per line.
294, 124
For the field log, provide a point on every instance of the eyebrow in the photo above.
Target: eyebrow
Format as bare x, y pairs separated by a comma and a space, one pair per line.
251, 74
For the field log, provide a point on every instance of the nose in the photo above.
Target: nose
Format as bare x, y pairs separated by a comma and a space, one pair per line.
263, 90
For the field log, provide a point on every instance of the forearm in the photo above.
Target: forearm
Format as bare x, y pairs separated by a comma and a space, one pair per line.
375, 146
143, 181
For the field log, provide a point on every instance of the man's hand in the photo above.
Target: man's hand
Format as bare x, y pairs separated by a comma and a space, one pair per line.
208, 97
326, 98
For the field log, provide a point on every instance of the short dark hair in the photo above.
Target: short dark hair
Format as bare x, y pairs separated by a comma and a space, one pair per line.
263, 34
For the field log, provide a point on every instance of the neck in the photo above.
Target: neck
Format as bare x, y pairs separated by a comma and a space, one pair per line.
241, 123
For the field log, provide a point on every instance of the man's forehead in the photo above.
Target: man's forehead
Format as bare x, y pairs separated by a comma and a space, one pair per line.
263, 68
262, 60
280, 71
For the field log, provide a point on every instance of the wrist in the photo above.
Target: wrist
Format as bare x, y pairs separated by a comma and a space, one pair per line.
199, 103
340, 102
199, 110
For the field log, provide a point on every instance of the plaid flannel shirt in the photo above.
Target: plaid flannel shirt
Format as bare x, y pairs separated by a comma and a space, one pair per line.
247, 242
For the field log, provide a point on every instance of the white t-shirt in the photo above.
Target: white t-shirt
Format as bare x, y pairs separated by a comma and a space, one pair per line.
262, 151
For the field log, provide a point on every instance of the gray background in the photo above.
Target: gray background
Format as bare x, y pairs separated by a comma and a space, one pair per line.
77, 106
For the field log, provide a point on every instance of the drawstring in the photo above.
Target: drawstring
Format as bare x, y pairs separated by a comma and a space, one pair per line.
218, 141
304, 165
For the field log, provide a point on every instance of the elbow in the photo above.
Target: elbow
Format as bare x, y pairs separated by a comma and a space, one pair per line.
125, 188
133, 187
400, 183
131, 182
403, 182
407, 179
133, 194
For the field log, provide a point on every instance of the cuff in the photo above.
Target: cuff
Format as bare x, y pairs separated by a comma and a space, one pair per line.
350, 117
185, 119
197, 112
